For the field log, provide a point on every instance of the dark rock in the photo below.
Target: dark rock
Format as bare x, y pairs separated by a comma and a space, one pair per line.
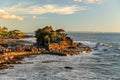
3, 73
3, 66
29, 63
67, 67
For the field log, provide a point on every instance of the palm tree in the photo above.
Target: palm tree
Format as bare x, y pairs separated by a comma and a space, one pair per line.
16, 31
4, 29
47, 29
60, 30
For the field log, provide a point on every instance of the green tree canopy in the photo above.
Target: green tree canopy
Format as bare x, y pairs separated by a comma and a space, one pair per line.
47, 35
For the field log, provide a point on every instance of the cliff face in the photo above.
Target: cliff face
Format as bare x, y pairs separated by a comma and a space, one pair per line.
58, 46
65, 44
54, 46
58, 42
47, 36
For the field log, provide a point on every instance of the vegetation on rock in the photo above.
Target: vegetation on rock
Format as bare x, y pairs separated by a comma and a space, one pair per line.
47, 35
57, 42
4, 33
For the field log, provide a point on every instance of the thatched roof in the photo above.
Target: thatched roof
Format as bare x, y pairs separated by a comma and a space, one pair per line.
60, 30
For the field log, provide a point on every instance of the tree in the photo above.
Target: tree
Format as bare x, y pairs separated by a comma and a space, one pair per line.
40, 35
60, 30
47, 35
47, 39
4, 28
53, 36
48, 29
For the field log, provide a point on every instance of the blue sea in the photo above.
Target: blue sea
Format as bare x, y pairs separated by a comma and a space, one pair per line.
103, 63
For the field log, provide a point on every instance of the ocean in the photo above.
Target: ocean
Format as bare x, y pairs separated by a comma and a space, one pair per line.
103, 63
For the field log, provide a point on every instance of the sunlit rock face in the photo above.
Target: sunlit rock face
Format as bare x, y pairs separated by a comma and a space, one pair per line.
57, 41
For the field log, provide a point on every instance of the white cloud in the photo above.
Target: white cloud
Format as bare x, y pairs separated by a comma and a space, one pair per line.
8, 16
49, 8
78, 0
34, 17
89, 1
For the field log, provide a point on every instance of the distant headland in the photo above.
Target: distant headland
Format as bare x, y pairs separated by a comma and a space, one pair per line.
4, 33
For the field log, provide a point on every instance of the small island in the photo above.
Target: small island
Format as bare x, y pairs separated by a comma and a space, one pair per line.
57, 42
48, 41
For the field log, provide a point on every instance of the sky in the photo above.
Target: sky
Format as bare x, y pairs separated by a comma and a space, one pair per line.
71, 15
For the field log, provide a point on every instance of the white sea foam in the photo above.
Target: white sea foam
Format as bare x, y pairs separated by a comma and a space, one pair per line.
33, 40
83, 68
91, 44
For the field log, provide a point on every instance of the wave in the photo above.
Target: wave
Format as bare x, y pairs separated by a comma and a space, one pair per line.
98, 46
91, 44
33, 40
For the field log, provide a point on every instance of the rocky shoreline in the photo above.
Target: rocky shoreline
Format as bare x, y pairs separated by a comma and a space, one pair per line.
14, 58
18, 54
49, 41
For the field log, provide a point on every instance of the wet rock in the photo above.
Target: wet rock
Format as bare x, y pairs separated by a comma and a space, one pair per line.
3, 73
46, 61
3, 66
105, 50
19, 62
29, 63
51, 61
68, 67
22, 79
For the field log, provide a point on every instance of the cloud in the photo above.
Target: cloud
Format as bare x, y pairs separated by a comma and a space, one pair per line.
89, 1
34, 17
8, 16
48, 8
78, 0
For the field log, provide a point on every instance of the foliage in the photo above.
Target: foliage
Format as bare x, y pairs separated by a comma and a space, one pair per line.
10, 34
4, 29
48, 35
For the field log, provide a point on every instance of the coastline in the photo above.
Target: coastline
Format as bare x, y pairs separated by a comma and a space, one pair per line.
91, 65
15, 57
48, 41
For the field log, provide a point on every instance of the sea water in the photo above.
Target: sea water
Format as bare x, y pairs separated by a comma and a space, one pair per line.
103, 63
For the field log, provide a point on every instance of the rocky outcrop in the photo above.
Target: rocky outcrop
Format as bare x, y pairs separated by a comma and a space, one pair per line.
60, 45
57, 42
65, 48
